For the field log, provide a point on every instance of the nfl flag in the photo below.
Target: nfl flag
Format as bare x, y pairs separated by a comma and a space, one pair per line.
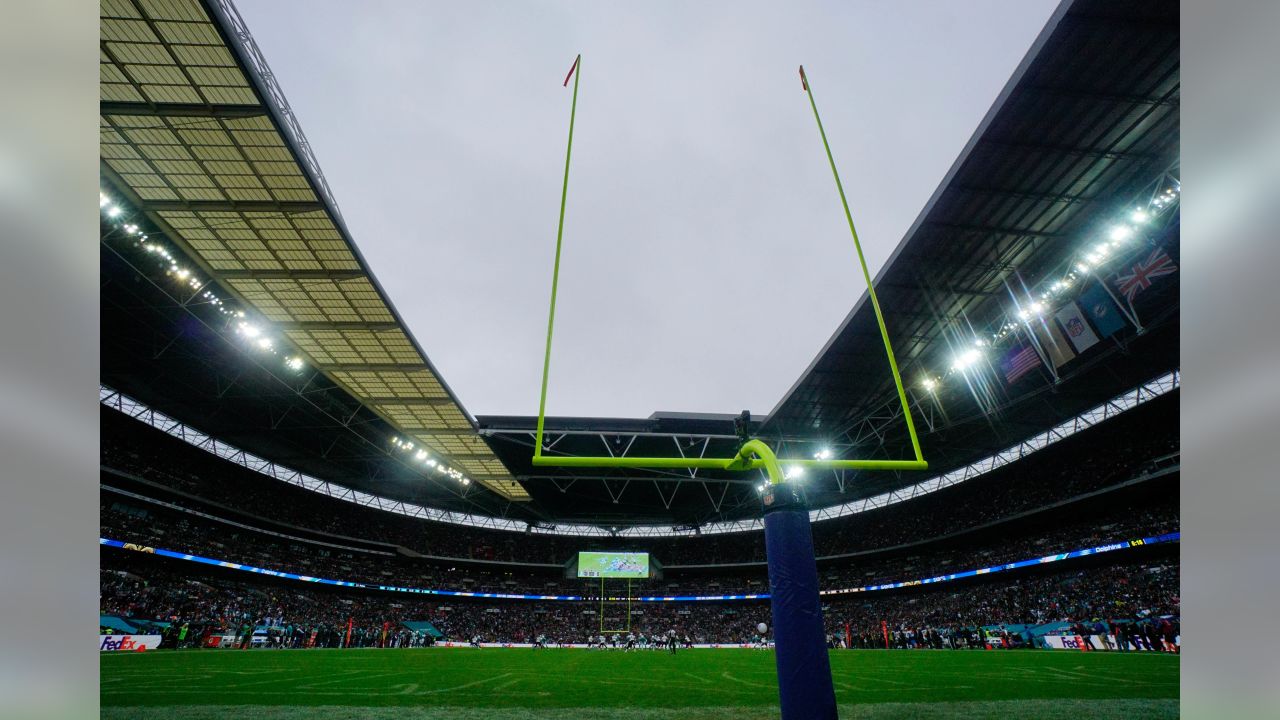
1018, 362
1101, 311
1078, 331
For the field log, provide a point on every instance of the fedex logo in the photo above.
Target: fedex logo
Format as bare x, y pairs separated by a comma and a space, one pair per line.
127, 643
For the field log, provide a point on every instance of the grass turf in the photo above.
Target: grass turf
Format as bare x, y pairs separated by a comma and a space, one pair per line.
426, 684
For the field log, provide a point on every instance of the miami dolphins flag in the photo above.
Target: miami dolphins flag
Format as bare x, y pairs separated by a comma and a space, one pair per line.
1077, 330
1101, 311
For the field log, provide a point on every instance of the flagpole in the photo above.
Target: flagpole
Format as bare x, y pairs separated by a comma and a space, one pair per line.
1131, 314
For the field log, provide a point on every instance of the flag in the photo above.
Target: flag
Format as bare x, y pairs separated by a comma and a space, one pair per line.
1052, 342
1078, 331
1139, 277
1101, 311
1019, 361
575, 67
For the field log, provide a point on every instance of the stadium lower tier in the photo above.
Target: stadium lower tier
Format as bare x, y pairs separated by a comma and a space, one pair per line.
1138, 591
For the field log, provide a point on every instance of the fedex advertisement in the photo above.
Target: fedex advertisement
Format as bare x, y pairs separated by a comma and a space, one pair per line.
127, 643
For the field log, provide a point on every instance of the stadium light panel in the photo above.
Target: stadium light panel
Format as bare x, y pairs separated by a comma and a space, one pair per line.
422, 455
103, 200
264, 343
793, 471
1120, 233
113, 211
294, 363
1140, 216
929, 384
823, 454
966, 359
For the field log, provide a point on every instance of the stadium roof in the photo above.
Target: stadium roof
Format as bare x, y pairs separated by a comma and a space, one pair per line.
196, 135
199, 140
1085, 125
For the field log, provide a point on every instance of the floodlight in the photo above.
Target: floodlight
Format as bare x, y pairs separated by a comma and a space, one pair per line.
294, 363
929, 384
760, 488
113, 211
793, 471
967, 358
264, 342
1024, 314
1120, 233
1037, 307
103, 200
249, 330
1140, 216
431, 463
422, 455
466, 481
823, 454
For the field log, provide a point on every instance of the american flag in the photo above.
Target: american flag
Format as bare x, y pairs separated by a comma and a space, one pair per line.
1139, 278
1019, 362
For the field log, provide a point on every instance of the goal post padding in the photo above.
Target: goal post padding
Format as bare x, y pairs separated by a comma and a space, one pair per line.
804, 668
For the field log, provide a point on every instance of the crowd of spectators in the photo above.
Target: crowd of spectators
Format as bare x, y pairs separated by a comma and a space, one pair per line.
127, 520
1138, 595
1097, 459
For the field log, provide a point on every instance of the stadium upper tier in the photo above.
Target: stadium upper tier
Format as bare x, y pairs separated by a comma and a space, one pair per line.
145, 463
235, 299
1143, 510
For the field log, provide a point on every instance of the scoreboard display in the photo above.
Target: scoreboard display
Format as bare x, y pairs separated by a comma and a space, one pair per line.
613, 565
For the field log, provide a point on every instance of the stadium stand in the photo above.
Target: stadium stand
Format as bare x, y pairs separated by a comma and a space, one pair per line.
147, 463
1110, 484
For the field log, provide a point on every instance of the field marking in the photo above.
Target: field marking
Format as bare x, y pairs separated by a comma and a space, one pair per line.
748, 683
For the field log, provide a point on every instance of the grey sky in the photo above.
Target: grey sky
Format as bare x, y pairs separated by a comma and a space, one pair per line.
706, 259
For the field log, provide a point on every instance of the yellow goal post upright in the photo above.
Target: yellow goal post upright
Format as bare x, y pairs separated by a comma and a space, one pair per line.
604, 598
804, 672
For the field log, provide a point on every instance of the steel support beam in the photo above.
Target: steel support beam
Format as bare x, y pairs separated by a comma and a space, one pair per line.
108, 107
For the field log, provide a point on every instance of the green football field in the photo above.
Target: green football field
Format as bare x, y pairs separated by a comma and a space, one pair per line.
528, 684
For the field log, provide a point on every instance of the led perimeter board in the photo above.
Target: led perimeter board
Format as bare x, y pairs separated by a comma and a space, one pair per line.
613, 565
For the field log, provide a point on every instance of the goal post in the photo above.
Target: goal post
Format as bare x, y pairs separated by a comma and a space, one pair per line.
805, 687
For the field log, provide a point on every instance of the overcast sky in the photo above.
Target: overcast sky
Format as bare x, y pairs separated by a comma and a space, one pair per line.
706, 260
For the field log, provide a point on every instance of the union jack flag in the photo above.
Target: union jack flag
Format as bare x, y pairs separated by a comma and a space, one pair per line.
1139, 277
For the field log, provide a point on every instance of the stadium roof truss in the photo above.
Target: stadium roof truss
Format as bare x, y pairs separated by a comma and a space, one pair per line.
196, 134
1111, 408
